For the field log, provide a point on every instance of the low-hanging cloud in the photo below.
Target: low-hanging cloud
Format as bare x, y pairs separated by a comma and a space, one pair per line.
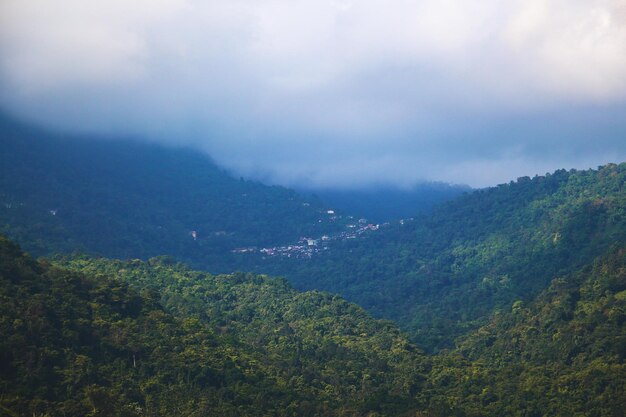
334, 92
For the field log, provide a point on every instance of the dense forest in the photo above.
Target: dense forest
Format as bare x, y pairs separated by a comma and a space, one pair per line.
102, 337
121, 198
561, 354
509, 300
444, 273
184, 343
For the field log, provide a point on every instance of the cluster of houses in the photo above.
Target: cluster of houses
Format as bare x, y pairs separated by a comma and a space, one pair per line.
306, 247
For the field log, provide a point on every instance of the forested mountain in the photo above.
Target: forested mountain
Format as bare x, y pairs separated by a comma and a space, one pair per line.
78, 343
127, 199
443, 274
104, 337
438, 276
559, 355
515, 291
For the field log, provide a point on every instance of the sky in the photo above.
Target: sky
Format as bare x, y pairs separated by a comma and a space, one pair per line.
331, 93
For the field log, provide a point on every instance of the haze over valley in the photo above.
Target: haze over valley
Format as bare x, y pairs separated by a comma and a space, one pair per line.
312, 208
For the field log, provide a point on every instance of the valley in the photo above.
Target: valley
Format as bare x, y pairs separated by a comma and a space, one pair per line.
507, 300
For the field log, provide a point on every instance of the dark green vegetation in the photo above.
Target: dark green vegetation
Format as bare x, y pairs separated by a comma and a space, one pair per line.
126, 199
517, 291
559, 355
85, 343
445, 273
105, 337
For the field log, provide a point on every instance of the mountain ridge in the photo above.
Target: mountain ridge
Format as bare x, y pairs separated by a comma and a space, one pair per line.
516, 293
129, 199
444, 273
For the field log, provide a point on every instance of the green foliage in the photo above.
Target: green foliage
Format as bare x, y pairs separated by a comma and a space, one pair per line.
439, 277
79, 340
562, 355
519, 289
130, 200
444, 274
309, 341
85, 343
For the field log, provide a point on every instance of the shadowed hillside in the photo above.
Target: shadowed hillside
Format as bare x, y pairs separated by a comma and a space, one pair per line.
127, 199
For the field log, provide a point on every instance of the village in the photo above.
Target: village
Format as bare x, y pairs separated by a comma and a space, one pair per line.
306, 247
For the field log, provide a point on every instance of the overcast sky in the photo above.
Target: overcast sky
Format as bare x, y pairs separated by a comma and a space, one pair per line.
332, 92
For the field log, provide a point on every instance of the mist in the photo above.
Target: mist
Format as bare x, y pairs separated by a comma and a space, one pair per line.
337, 94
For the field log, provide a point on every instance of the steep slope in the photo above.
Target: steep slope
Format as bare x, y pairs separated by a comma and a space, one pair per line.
445, 273
127, 199
242, 345
560, 355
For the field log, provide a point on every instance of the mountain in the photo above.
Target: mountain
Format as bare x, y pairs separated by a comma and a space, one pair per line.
446, 272
516, 293
157, 339
105, 337
438, 276
126, 199
562, 354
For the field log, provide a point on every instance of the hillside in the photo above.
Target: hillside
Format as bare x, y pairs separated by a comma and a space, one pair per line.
438, 276
79, 343
560, 355
120, 198
85, 342
516, 291
445, 273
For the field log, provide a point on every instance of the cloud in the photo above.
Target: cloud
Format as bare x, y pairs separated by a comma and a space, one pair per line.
334, 92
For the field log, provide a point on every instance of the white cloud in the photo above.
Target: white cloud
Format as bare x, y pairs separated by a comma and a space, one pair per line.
571, 48
246, 79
